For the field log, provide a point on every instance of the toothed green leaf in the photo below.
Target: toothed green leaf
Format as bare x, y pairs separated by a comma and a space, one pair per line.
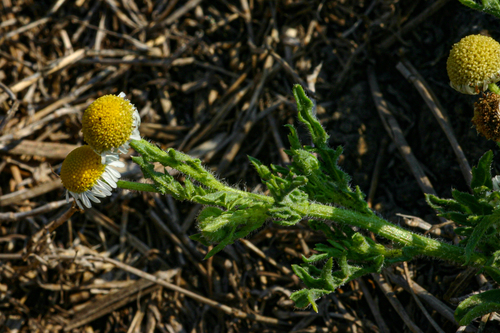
481, 174
477, 306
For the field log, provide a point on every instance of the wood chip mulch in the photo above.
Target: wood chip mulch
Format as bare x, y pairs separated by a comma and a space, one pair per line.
213, 79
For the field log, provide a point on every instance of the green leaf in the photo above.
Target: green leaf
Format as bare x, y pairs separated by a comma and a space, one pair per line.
472, 203
491, 7
293, 138
316, 258
472, 4
488, 6
464, 231
199, 238
310, 281
261, 169
304, 297
459, 218
479, 231
493, 272
477, 306
481, 174
323, 227
284, 215
306, 108
444, 205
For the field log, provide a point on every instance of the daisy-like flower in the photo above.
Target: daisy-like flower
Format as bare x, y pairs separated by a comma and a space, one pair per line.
487, 116
86, 178
109, 123
473, 64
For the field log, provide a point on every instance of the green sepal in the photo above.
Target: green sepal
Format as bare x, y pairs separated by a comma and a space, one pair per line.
477, 306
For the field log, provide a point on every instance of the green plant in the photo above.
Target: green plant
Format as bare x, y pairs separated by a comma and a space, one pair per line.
488, 6
312, 188
306, 190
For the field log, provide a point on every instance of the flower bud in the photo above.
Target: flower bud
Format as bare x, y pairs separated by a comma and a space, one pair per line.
473, 64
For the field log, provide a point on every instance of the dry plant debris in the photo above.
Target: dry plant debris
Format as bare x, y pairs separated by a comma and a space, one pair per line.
213, 79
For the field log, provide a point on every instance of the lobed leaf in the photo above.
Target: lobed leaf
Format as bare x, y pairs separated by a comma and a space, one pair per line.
477, 306
478, 232
481, 174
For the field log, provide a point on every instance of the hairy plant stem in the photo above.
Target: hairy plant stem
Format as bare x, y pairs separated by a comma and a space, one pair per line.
424, 245
192, 167
189, 167
136, 186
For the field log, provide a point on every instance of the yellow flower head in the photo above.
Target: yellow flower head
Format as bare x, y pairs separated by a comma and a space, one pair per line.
86, 178
109, 123
487, 116
473, 64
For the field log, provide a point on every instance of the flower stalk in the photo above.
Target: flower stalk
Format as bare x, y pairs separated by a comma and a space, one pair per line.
134, 186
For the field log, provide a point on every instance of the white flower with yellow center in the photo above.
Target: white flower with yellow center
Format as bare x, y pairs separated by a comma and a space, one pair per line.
109, 123
473, 64
86, 178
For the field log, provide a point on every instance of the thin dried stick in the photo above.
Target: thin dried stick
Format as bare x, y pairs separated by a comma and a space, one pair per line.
41, 236
13, 108
430, 299
224, 308
413, 23
382, 326
396, 134
424, 311
411, 74
389, 293
13, 217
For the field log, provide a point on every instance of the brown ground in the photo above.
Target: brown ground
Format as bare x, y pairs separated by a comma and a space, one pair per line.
193, 68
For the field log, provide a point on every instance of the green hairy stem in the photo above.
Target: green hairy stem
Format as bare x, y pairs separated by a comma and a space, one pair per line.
307, 190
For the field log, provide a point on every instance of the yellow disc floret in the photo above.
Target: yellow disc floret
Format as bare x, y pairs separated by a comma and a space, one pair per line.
81, 169
108, 123
474, 62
